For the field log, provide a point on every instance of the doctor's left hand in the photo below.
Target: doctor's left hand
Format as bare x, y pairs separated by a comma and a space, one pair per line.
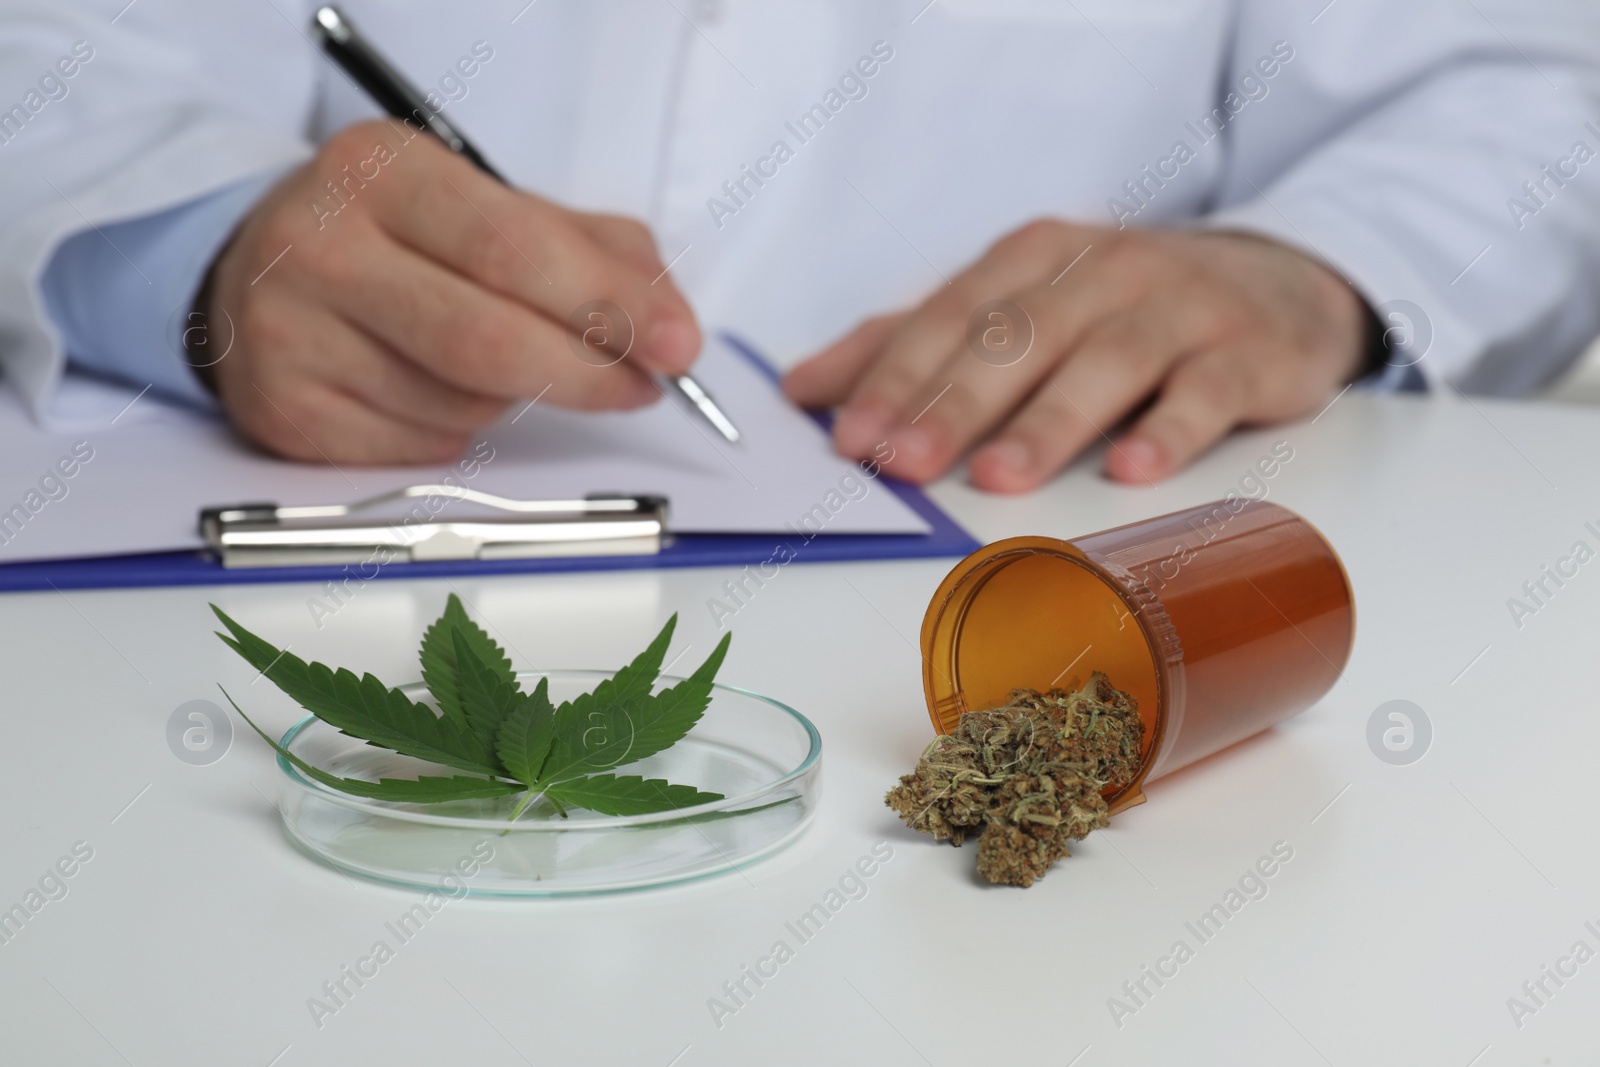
1214, 330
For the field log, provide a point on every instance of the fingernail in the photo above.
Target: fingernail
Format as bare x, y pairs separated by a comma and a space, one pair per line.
1147, 458
1011, 454
913, 444
673, 344
860, 428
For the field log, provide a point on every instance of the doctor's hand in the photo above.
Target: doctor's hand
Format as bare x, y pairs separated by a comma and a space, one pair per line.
388, 316
1213, 330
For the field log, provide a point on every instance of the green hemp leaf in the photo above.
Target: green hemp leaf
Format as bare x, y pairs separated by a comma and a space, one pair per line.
486, 698
508, 740
439, 656
621, 722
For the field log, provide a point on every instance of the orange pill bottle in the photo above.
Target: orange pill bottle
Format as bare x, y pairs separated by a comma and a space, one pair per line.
1220, 620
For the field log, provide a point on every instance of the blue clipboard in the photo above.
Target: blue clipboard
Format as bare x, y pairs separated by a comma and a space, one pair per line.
197, 567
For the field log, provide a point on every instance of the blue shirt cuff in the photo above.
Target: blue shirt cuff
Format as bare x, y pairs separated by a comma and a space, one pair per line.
120, 294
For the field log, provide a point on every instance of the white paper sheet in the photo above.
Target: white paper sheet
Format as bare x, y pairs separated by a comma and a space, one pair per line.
155, 467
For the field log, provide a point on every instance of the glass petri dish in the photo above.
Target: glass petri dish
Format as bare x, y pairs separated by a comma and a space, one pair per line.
762, 755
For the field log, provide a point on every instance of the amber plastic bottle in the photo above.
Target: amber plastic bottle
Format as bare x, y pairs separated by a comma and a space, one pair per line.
1220, 620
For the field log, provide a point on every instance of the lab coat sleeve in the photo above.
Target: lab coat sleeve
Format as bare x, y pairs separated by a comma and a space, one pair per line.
164, 106
136, 324
1443, 156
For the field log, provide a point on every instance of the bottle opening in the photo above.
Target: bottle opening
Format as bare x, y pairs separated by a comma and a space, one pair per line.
1220, 621
1034, 616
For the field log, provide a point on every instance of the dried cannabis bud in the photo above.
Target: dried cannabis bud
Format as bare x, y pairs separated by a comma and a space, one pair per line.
1026, 776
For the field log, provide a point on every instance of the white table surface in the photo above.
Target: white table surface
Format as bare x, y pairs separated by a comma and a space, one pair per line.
1413, 908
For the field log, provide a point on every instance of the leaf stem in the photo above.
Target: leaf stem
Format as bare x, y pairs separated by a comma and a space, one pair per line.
528, 798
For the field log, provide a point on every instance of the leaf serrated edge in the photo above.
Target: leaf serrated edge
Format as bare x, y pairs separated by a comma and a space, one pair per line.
484, 720
370, 790
437, 658
435, 750
573, 791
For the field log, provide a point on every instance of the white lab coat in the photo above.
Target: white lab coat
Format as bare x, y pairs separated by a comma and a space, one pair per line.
1393, 139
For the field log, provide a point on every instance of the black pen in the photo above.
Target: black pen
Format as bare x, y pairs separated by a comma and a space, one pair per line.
390, 90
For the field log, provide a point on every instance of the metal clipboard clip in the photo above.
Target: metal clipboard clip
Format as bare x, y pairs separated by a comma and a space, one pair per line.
266, 535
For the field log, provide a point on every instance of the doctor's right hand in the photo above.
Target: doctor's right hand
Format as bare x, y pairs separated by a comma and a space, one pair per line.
387, 300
